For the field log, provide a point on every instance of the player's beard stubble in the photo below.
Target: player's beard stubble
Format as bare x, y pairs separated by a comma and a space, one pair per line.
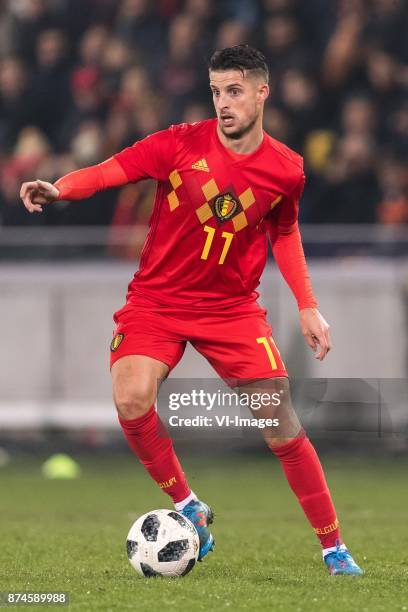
241, 130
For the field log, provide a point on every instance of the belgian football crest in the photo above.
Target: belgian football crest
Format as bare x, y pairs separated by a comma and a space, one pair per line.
116, 342
225, 206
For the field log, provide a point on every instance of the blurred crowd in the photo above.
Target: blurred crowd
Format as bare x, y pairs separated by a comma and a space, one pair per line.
81, 79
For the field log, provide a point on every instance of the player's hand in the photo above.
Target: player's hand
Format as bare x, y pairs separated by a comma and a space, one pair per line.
37, 193
316, 332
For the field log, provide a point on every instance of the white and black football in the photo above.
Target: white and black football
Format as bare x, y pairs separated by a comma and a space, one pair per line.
163, 543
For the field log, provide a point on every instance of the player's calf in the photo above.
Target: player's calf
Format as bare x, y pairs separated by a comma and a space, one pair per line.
304, 473
135, 382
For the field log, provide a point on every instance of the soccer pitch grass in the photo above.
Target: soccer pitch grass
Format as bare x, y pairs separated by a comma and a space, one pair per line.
70, 536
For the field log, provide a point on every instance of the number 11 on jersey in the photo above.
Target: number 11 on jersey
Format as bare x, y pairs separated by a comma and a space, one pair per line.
228, 236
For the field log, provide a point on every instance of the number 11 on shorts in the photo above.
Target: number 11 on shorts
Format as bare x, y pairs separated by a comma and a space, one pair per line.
268, 343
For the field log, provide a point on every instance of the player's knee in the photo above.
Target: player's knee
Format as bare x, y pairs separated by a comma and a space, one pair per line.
132, 403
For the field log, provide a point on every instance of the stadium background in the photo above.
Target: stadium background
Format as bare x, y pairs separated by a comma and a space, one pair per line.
81, 79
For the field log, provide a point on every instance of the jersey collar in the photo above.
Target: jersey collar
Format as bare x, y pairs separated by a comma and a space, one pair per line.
237, 158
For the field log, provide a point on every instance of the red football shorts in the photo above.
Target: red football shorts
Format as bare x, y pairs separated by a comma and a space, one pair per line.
237, 342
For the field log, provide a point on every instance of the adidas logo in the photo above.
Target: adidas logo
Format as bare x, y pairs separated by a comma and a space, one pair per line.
201, 165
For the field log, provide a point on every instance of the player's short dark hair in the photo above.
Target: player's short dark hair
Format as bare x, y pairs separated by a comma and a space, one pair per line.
241, 57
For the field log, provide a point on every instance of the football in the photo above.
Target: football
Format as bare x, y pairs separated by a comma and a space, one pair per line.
163, 543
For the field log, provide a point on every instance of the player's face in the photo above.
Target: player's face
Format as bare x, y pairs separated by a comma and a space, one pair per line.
238, 101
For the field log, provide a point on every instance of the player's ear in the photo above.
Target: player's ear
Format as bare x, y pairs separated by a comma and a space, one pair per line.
263, 92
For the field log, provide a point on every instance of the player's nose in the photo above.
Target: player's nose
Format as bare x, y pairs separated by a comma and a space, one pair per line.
222, 102
223, 107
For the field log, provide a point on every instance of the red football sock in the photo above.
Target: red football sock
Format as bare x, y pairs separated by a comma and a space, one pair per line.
305, 475
149, 440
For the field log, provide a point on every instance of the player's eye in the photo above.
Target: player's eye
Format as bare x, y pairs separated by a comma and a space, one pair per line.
215, 93
235, 91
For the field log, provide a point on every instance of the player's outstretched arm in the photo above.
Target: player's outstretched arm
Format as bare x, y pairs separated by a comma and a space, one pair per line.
77, 185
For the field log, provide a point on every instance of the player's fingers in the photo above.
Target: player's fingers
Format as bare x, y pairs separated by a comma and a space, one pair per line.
324, 346
310, 339
34, 208
43, 186
27, 193
326, 340
39, 199
30, 206
329, 340
27, 187
48, 190
27, 202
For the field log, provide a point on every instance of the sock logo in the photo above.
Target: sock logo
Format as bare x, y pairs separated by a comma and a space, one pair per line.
167, 483
328, 529
116, 342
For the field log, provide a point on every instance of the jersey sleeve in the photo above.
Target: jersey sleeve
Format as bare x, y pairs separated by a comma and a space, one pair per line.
287, 215
287, 248
151, 157
85, 182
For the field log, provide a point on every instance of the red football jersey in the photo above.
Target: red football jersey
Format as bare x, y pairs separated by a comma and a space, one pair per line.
207, 242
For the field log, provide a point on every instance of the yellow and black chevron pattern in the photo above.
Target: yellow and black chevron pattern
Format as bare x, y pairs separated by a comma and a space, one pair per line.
210, 191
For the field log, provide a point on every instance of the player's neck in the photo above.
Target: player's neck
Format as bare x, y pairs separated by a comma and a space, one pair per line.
246, 145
